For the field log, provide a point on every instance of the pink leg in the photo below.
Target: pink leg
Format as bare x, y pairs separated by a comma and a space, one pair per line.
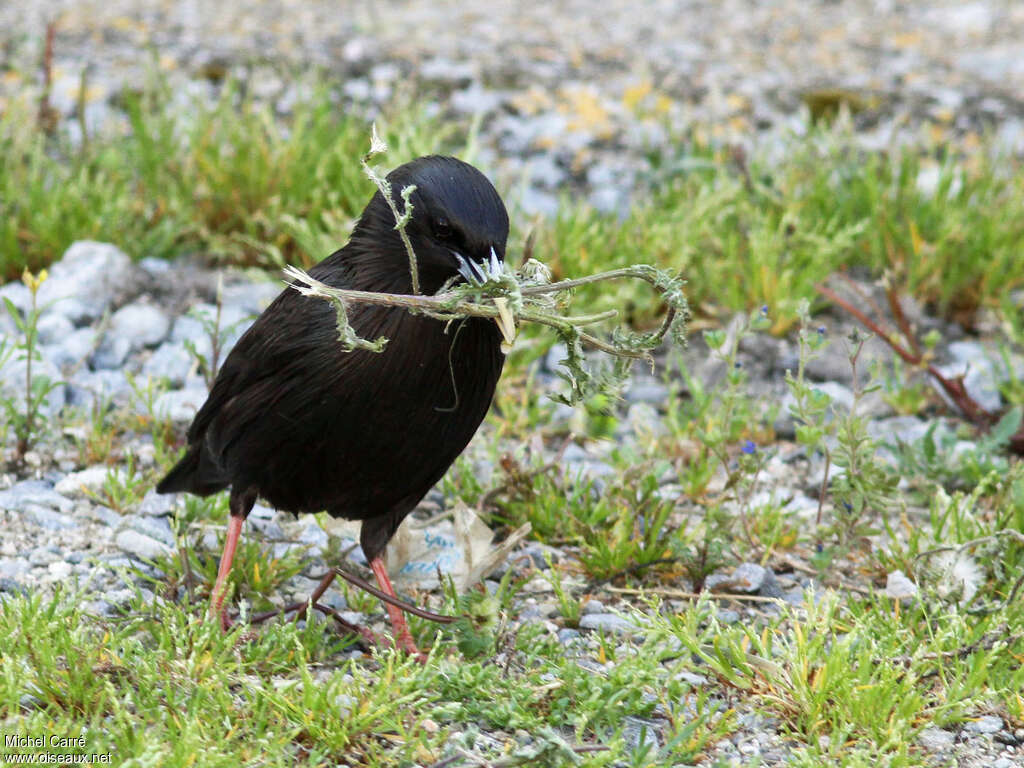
220, 587
403, 639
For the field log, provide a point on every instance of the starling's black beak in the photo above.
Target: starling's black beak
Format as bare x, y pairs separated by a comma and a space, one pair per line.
478, 274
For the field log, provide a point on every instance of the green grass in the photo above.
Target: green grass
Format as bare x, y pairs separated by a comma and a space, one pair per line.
165, 687
234, 181
743, 241
227, 180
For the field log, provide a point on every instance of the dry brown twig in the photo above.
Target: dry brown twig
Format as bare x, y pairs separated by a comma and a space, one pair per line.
953, 387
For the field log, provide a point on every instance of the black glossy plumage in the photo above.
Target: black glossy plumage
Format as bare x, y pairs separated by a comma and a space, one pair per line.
295, 420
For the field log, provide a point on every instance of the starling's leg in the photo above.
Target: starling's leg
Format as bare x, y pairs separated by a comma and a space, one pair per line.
240, 505
403, 639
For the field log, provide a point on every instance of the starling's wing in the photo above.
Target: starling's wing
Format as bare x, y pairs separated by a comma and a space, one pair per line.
279, 334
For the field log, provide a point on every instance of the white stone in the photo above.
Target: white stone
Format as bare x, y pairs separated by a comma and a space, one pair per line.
85, 281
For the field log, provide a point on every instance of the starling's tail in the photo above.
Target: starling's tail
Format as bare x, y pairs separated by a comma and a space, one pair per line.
188, 475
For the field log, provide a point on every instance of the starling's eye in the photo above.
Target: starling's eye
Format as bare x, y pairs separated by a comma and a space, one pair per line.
442, 228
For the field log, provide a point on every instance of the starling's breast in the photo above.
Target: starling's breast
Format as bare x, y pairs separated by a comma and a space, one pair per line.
375, 430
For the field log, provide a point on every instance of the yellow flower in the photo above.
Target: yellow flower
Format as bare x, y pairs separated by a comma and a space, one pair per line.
32, 282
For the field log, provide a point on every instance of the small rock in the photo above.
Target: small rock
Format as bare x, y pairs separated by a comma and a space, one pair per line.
50, 520
592, 606
747, 578
12, 384
250, 298
315, 538
899, 587
60, 570
88, 388
644, 389
727, 616
133, 327
12, 567
19, 296
981, 381
833, 365
140, 545
71, 349
609, 622
86, 281
180, 405
906, 429
444, 70
936, 739
985, 724
693, 679
11, 586
639, 733
155, 504
476, 100
43, 556
53, 328
33, 493
171, 362
567, 635
83, 483
157, 528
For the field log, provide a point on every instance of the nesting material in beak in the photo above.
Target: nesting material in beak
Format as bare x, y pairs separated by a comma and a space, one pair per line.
506, 323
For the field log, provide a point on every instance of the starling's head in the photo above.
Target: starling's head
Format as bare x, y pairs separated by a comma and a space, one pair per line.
459, 225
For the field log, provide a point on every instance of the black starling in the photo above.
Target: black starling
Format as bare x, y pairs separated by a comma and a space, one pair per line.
294, 419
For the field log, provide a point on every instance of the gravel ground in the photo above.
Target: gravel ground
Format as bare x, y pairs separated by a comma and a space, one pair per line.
569, 98
107, 319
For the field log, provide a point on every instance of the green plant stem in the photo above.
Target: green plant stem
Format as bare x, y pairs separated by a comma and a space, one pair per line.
441, 306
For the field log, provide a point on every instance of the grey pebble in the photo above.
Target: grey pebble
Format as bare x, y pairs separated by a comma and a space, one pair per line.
157, 528
639, 733
180, 405
609, 622
645, 389
60, 570
314, 537
140, 545
936, 739
85, 282
12, 567
155, 504
476, 100
592, 606
985, 724
33, 493
46, 518
746, 578
71, 349
105, 515
981, 381
52, 328
12, 383
568, 635
171, 361
83, 482
247, 299
12, 586
88, 388
899, 587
